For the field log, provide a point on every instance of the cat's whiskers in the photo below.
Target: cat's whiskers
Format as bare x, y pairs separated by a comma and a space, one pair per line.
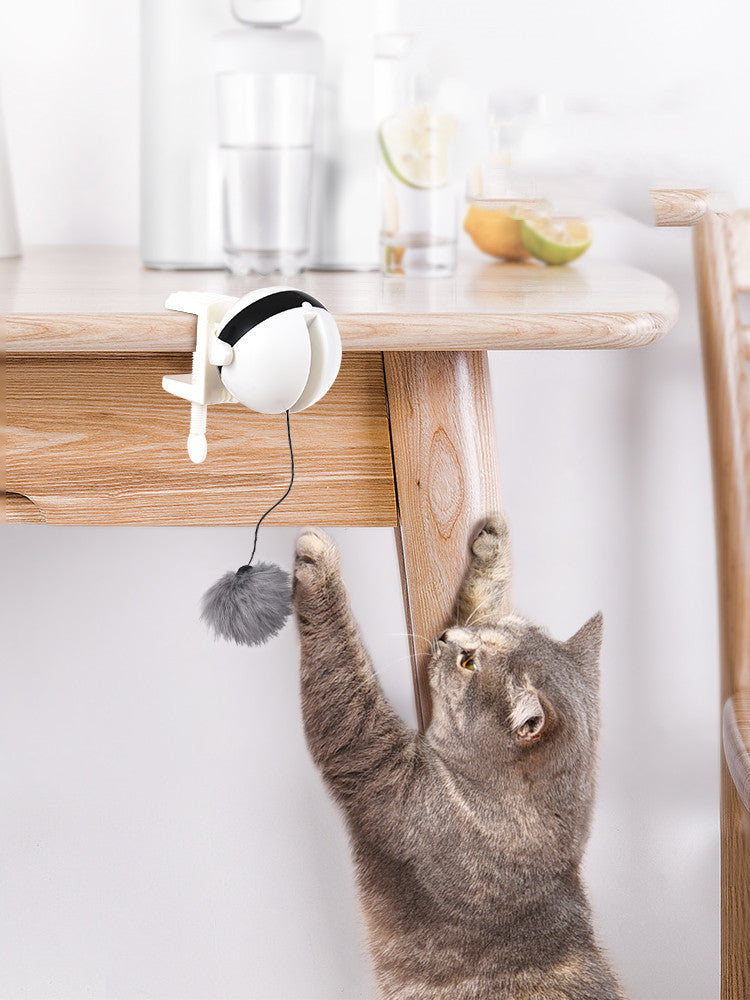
431, 643
402, 658
413, 635
476, 610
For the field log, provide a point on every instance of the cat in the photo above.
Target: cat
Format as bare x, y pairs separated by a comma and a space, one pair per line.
468, 838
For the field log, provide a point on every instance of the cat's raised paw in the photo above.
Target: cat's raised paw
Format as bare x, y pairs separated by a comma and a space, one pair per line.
492, 540
314, 545
316, 554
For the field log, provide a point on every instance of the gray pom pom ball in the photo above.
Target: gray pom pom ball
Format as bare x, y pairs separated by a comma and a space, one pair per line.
249, 606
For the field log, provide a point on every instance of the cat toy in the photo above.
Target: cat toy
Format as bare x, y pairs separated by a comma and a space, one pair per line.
275, 350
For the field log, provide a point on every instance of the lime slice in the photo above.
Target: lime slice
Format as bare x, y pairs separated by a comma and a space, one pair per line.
416, 146
555, 241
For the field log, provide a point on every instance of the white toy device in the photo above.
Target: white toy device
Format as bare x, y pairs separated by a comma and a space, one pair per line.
274, 349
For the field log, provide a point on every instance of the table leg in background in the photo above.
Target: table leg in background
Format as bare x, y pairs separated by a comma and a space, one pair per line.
735, 892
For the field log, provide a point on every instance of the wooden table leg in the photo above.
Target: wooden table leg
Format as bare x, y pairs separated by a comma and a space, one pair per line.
445, 468
735, 892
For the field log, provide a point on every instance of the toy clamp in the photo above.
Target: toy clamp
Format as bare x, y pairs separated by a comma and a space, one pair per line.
275, 349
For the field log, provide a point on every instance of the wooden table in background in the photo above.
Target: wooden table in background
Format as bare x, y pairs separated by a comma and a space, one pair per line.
405, 438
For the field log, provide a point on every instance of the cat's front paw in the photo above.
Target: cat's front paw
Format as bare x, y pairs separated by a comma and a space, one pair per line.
316, 556
492, 540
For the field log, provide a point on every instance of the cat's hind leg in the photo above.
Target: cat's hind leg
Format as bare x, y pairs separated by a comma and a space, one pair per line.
484, 595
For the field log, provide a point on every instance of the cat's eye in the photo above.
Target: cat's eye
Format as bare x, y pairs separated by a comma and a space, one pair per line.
468, 662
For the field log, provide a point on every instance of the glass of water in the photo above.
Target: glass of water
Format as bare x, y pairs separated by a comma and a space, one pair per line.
266, 149
416, 139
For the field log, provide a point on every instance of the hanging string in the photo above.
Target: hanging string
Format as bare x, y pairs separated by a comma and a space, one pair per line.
282, 499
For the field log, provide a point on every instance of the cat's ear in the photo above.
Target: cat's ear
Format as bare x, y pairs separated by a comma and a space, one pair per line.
529, 717
584, 647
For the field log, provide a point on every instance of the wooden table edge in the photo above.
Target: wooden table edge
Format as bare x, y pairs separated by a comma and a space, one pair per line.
162, 333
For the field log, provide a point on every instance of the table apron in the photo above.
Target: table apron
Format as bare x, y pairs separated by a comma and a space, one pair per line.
94, 439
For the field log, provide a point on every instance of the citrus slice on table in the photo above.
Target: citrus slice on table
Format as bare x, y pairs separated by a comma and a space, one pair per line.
555, 241
497, 231
416, 146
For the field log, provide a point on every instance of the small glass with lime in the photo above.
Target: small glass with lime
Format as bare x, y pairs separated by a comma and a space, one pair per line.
416, 143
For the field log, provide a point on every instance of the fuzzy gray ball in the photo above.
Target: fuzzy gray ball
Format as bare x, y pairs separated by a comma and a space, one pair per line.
249, 606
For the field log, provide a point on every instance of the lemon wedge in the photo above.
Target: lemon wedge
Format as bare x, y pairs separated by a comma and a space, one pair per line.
555, 241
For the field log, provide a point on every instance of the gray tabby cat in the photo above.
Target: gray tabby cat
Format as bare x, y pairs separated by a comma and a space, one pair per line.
467, 839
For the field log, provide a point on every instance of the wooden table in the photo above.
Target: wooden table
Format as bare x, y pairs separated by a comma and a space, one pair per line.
405, 438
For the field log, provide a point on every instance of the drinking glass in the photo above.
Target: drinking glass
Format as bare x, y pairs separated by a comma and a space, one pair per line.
266, 150
416, 140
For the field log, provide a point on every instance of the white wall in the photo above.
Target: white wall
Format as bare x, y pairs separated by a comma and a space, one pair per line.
164, 834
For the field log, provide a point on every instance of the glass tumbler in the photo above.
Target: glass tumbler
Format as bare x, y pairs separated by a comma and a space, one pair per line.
266, 152
416, 144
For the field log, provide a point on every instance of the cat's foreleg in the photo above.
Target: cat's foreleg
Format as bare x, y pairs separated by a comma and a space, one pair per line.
485, 592
354, 735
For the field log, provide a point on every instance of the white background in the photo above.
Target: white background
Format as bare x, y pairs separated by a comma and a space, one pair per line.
163, 833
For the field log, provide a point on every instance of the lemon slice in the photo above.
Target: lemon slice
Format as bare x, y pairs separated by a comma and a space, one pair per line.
416, 146
555, 241
495, 227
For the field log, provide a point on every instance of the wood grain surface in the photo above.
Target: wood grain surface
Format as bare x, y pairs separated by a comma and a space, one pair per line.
96, 440
679, 206
739, 232
735, 892
445, 462
728, 404
83, 299
736, 741
14, 507
735, 824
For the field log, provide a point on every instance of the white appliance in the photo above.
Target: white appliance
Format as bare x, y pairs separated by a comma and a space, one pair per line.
10, 245
180, 176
